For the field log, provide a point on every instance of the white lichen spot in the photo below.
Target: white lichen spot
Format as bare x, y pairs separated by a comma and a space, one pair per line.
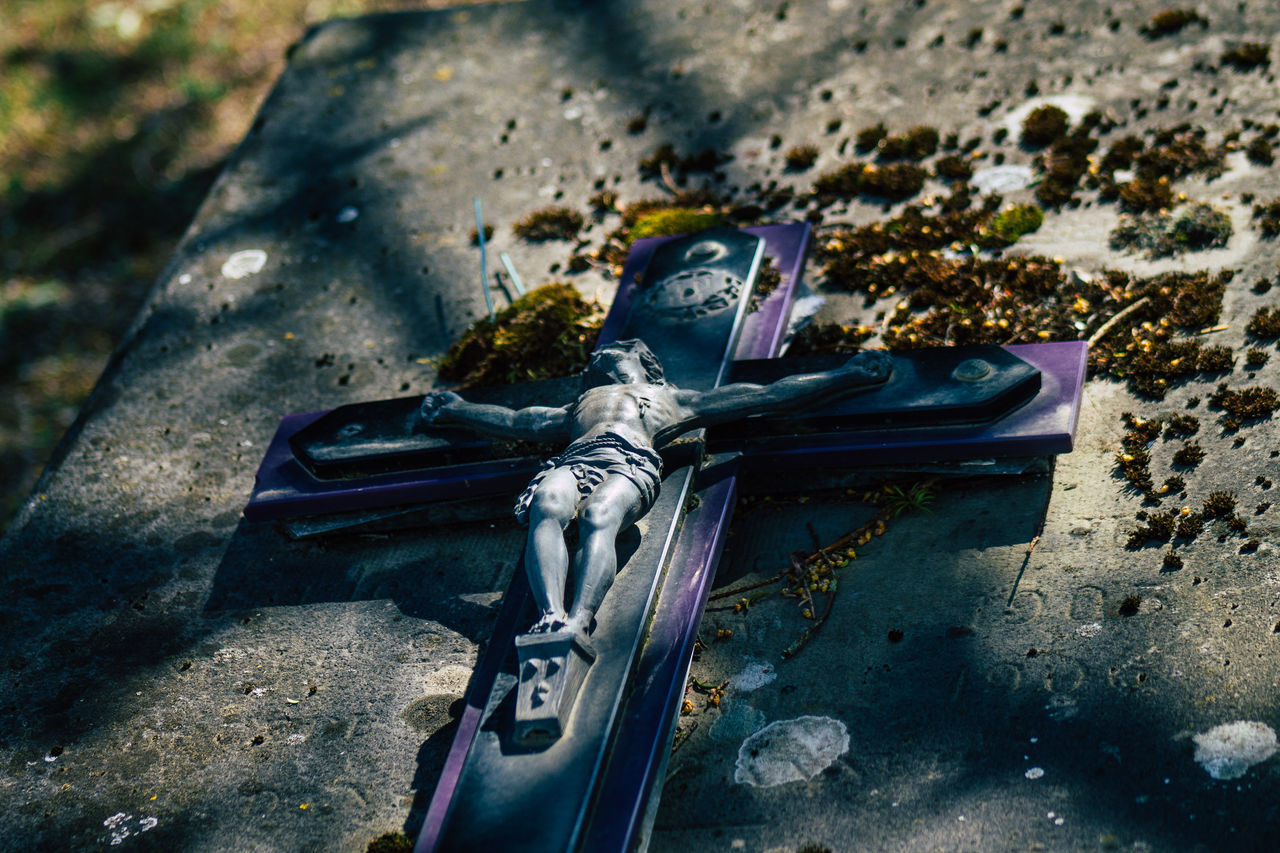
1034, 773
147, 824
1229, 750
244, 263
1090, 630
295, 738
116, 826
348, 214
756, 675
1001, 179
790, 751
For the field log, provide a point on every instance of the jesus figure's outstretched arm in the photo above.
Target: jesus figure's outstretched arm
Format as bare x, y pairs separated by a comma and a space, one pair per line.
534, 423
789, 394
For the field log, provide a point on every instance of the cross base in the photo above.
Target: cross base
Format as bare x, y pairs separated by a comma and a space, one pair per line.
552, 668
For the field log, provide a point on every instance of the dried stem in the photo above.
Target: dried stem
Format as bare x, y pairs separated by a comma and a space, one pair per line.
1111, 324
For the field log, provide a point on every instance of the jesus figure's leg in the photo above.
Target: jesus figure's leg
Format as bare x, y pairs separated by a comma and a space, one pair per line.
546, 560
615, 503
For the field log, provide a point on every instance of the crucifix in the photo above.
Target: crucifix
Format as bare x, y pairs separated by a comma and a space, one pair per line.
570, 712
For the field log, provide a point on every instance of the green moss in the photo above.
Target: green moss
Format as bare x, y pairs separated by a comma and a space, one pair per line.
547, 332
676, 220
1007, 226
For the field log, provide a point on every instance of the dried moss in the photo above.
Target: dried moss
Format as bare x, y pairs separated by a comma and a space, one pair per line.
1247, 56
1219, 504
1172, 561
1264, 324
665, 158
391, 842
1062, 166
1181, 426
893, 181
1268, 216
1189, 456
1169, 22
1256, 357
1248, 404
830, 338
605, 201
916, 144
869, 137
1159, 528
1044, 125
1189, 525
1147, 196
1259, 151
801, 157
550, 223
1145, 351
1178, 152
1216, 359
547, 332
953, 167
1191, 228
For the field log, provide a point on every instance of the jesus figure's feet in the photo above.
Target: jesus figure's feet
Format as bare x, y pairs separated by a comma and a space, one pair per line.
549, 623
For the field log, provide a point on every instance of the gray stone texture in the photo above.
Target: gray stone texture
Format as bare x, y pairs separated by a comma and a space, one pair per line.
176, 678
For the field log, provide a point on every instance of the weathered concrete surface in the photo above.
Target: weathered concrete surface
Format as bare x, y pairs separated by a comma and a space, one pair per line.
177, 679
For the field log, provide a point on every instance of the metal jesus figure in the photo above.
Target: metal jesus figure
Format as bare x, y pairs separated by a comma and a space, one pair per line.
609, 474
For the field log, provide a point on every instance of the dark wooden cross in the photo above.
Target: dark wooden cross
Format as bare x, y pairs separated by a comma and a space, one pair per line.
590, 782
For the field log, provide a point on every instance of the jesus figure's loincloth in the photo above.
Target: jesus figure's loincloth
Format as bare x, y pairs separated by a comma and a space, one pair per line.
591, 460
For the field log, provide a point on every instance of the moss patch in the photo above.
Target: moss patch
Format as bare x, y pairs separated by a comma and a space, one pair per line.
676, 220
551, 223
1191, 228
548, 332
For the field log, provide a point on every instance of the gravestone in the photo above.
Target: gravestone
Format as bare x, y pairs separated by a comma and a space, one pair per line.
179, 679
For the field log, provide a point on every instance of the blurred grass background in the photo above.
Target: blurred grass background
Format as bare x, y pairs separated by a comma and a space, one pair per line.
115, 117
